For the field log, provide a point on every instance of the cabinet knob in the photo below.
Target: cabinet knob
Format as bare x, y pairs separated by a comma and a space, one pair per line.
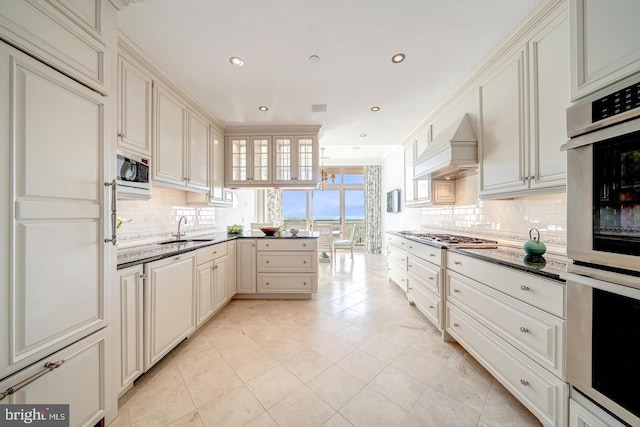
524, 330
304, 262
532, 177
304, 245
410, 247
523, 178
121, 135
304, 283
215, 252
456, 291
266, 262
430, 278
143, 276
267, 283
456, 325
457, 262
410, 288
267, 245
524, 288
432, 255
524, 382
431, 307
410, 265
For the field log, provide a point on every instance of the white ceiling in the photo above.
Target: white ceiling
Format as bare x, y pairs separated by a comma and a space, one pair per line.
444, 40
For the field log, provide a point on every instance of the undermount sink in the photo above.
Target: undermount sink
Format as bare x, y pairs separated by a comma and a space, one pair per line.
185, 241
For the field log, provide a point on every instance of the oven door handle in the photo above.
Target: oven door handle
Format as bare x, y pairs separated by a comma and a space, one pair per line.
616, 283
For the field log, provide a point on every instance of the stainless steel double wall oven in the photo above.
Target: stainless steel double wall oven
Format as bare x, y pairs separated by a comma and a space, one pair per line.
603, 240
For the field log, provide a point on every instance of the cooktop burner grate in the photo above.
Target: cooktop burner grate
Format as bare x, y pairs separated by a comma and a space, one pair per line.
453, 240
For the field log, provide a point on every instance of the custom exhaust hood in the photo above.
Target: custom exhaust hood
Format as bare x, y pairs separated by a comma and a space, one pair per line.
452, 154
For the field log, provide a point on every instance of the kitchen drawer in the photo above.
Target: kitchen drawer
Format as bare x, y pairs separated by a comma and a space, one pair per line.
426, 252
547, 295
397, 241
427, 274
397, 255
287, 283
425, 301
398, 273
536, 333
210, 253
545, 395
287, 244
287, 261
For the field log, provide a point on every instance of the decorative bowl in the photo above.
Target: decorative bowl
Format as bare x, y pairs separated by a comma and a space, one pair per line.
294, 232
269, 231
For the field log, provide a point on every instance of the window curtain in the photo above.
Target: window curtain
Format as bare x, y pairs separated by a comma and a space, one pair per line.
274, 206
372, 209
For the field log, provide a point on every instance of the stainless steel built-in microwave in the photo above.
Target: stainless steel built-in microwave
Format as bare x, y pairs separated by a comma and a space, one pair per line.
132, 176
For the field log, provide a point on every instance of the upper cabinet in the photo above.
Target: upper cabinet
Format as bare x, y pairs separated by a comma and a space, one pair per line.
259, 157
180, 144
604, 43
70, 35
134, 108
522, 117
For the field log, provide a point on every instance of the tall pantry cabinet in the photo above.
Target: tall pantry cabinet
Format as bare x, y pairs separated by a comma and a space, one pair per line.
57, 151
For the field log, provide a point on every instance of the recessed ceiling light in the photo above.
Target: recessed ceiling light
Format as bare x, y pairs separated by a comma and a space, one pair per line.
363, 135
238, 62
375, 108
263, 108
397, 58
314, 58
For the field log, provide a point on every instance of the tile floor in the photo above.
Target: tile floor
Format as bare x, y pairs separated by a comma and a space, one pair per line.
355, 355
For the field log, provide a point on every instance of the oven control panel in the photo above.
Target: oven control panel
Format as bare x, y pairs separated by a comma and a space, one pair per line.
616, 103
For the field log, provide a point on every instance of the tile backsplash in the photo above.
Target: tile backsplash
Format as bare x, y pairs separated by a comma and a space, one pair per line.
507, 221
157, 218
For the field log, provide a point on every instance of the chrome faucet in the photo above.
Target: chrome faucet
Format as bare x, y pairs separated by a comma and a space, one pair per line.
178, 235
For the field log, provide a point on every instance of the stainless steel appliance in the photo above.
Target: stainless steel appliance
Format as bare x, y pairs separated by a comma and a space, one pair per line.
603, 240
132, 176
451, 240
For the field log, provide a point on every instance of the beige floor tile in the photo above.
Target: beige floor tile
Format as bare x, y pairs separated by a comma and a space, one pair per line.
398, 387
161, 406
212, 384
196, 364
332, 325
306, 365
413, 363
263, 420
333, 349
371, 409
503, 409
190, 346
436, 409
190, 420
302, 408
350, 316
337, 421
362, 366
311, 335
253, 364
356, 335
235, 408
382, 349
283, 348
336, 386
401, 335
273, 386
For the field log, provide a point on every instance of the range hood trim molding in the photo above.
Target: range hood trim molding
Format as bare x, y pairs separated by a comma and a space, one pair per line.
453, 151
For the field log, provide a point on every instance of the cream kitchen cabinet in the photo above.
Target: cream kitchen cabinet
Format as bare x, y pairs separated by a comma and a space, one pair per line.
180, 145
169, 305
75, 375
211, 277
131, 302
232, 265
246, 266
424, 280
584, 413
135, 90
604, 43
288, 266
522, 131
248, 160
397, 260
513, 322
53, 256
295, 160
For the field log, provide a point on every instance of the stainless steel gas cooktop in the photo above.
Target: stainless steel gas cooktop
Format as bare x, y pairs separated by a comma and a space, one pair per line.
451, 240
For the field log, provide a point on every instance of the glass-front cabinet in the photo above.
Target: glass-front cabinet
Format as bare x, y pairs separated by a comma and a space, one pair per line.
295, 160
263, 157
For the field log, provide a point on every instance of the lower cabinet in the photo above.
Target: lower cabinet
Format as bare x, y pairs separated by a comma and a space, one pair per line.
211, 280
287, 266
131, 360
232, 276
423, 287
397, 260
79, 380
169, 305
586, 414
246, 267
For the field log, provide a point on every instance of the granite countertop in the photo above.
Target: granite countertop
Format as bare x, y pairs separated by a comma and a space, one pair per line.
135, 255
548, 265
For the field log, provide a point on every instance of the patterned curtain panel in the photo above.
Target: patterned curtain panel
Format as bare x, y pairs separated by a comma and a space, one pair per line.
372, 208
274, 206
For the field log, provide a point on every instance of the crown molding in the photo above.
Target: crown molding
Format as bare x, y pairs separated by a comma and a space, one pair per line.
285, 130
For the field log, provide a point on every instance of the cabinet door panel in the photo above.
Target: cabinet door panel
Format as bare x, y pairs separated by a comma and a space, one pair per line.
550, 99
261, 159
238, 152
246, 266
502, 148
168, 154
131, 326
53, 252
205, 293
220, 281
198, 177
284, 161
217, 166
134, 104
231, 269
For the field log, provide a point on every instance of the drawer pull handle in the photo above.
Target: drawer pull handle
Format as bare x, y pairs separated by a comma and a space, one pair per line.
304, 262
215, 252
456, 291
267, 283
524, 288
430, 278
410, 288
432, 254
457, 262
410, 265
524, 382
431, 307
524, 330
48, 367
456, 325
410, 247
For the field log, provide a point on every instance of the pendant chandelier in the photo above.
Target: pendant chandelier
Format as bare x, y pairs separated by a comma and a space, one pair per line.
324, 180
